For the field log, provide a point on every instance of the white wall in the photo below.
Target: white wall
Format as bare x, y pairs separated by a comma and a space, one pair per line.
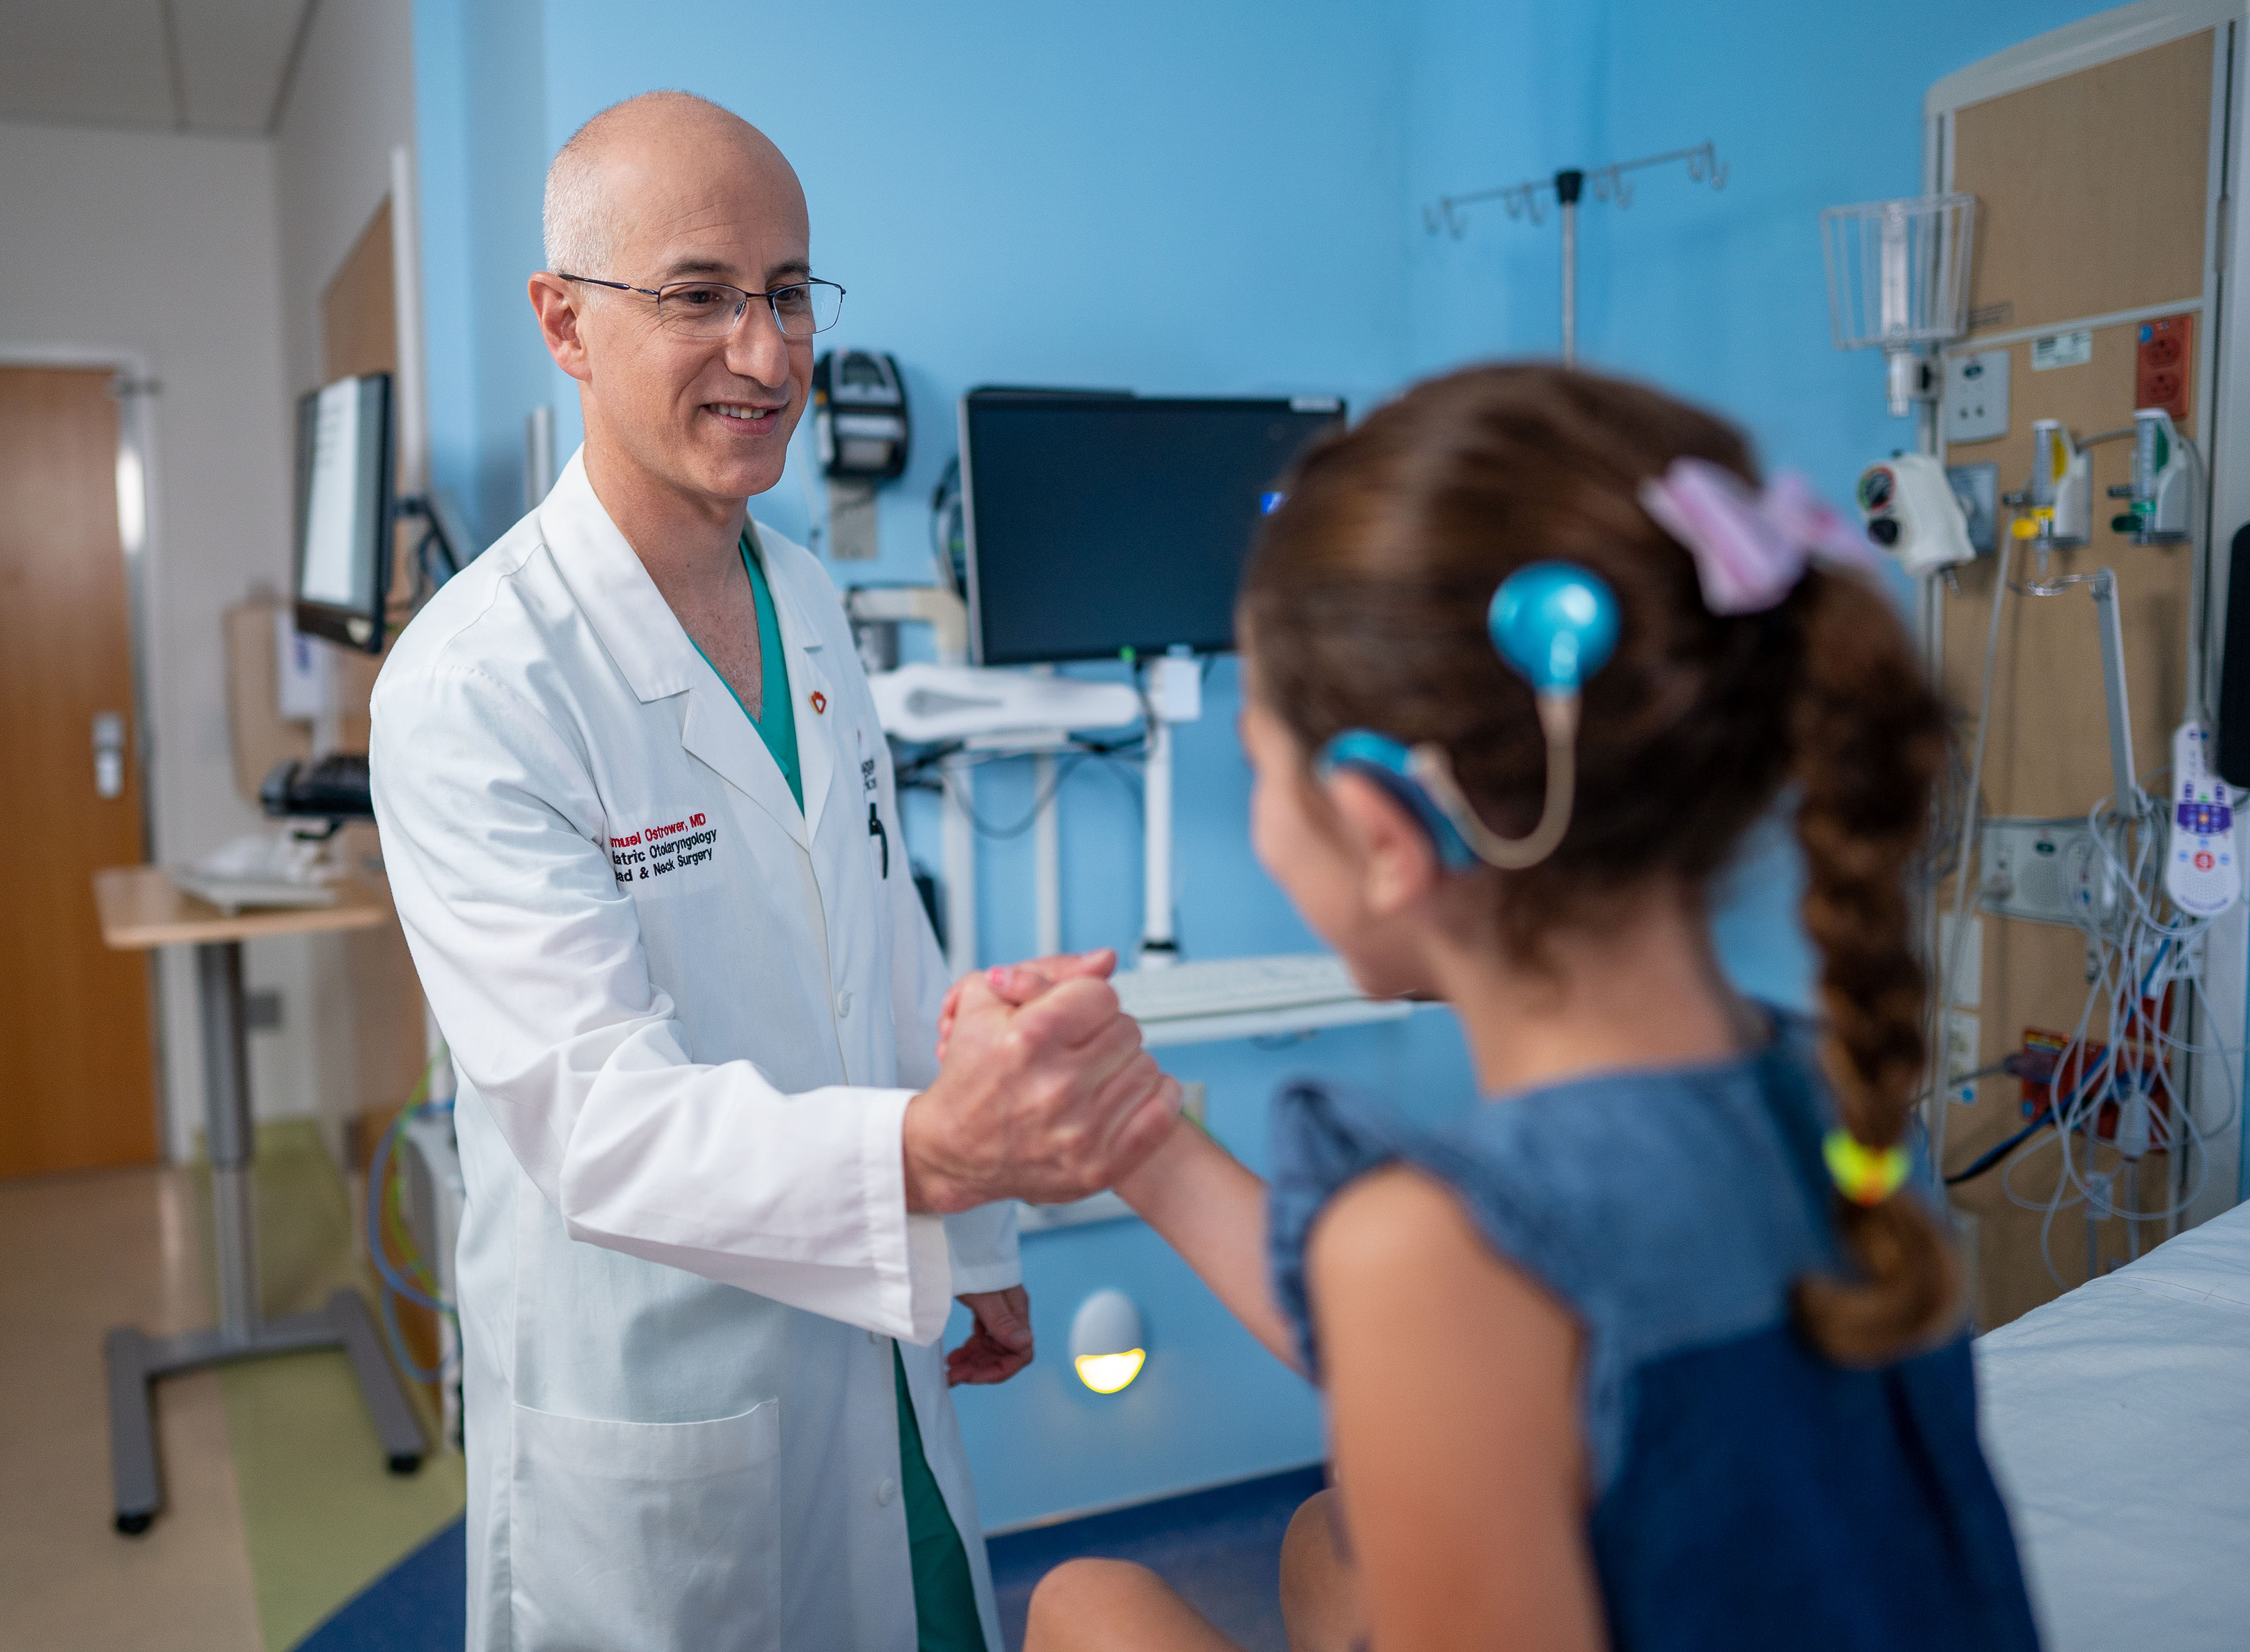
351, 102
164, 247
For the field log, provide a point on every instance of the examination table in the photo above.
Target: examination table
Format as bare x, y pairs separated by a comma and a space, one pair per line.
2117, 1419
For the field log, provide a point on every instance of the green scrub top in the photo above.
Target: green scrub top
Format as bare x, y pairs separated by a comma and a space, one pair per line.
776, 722
945, 1594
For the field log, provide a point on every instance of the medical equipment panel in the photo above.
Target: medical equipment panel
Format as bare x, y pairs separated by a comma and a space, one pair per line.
1105, 525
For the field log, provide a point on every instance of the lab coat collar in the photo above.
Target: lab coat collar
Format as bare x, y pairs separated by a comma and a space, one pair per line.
643, 636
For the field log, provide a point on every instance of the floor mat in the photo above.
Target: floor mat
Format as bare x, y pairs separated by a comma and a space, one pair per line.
1221, 1549
323, 1516
420, 1605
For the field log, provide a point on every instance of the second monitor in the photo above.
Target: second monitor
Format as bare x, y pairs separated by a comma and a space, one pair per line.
1098, 524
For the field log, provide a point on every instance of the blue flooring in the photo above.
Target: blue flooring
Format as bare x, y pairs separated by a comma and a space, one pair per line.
420, 1605
1221, 1549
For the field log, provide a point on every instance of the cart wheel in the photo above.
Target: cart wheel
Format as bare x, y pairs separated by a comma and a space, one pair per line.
403, 1462
133, 1526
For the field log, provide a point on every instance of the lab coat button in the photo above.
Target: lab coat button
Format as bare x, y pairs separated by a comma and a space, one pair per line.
885, 1490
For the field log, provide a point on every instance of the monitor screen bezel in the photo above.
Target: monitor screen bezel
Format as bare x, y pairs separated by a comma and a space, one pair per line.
359, 627
1333, 407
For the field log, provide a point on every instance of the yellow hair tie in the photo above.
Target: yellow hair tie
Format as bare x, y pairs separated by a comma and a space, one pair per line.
1864, 1175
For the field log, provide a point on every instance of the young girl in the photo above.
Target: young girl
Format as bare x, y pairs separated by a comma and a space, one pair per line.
1659, 1348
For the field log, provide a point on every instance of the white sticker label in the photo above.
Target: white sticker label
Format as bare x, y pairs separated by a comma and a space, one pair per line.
2062, 350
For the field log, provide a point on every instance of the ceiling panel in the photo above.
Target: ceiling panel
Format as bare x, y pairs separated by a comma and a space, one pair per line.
94, 60
106, 63
232, 56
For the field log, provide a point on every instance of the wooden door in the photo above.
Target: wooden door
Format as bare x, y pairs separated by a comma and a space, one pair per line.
77, 1076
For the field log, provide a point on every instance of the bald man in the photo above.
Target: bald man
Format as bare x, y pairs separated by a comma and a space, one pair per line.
641, 826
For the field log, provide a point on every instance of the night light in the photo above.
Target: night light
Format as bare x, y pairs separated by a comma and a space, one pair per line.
1105, 1341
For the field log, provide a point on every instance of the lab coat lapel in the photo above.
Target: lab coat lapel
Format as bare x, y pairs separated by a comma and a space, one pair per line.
652, 653
716, 732
813, 698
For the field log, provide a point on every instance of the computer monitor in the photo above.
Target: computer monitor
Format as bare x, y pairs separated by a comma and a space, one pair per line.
1100, 523
345, 509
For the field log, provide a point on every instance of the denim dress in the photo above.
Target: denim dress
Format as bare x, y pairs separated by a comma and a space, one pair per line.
1747, 1492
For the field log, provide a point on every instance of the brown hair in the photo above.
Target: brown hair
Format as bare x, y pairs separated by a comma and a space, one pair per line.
1365, 599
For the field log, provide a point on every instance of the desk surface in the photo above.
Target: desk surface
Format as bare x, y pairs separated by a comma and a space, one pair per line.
141, 907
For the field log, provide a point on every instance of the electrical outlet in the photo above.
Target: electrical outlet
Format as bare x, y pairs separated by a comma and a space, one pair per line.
2161, 364
2048, 871
1976, 396
1966, 986
1962, 1033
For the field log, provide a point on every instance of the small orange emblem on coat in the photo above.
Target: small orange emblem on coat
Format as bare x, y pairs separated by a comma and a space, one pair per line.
819, 701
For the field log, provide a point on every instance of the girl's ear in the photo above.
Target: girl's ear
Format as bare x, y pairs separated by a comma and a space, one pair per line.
1396, 862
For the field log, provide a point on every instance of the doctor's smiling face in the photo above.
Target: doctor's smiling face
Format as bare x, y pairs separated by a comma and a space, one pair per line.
662, 190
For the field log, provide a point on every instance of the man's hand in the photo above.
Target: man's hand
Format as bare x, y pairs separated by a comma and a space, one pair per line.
1020, 983
1051, 1100
1001, 1344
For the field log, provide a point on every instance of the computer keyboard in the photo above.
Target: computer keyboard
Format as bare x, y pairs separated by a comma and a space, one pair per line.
1235, 986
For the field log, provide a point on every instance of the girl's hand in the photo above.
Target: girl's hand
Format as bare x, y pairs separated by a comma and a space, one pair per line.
1018, 984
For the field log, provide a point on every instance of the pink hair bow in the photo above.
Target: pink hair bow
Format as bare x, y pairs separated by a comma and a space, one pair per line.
1751, 550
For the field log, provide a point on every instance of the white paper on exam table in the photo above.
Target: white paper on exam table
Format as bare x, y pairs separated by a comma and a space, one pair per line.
2115, 1423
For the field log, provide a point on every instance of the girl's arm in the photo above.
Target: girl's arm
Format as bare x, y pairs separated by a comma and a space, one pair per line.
1453, 1388
1199, 1198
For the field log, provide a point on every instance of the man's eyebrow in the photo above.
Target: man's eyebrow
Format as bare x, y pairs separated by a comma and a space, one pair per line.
775, 275
681, 267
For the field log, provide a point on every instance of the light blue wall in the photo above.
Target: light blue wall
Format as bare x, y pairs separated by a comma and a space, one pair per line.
1221, 197
1174, 197
1718, 296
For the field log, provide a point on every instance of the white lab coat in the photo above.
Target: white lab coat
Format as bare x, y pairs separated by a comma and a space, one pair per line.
687, 1020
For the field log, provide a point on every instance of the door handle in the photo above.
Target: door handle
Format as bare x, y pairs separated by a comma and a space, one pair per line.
108, 754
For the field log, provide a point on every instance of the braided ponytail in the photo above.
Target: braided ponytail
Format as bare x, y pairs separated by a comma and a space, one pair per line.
1868, 739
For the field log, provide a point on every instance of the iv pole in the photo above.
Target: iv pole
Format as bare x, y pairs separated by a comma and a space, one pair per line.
1568, 186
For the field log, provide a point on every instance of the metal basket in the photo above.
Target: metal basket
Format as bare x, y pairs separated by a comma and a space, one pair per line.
1898, 271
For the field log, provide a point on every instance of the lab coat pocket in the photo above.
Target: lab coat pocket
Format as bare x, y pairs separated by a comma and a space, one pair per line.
646, 1535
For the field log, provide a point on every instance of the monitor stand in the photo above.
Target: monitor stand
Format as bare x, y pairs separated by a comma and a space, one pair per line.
1175, 696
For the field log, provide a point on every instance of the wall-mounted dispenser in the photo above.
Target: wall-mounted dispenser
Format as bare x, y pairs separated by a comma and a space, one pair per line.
859, 422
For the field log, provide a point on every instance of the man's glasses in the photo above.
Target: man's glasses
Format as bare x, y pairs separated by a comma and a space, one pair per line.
712, 309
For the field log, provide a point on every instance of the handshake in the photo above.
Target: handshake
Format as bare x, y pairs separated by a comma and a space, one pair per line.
1043, 1091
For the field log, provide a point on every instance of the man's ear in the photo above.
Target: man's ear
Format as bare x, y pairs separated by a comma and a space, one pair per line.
1398, 863
556, 306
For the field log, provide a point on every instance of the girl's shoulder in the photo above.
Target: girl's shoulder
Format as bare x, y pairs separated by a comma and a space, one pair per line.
1661, 1207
